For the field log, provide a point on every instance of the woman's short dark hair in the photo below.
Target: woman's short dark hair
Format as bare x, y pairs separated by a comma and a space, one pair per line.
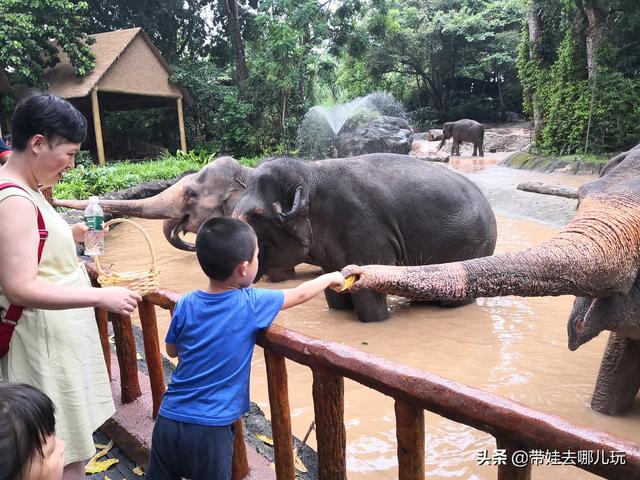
222, 244
49, 116
26, 420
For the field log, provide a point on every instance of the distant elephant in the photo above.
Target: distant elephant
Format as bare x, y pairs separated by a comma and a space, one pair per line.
463, 131
596, 257
383, 207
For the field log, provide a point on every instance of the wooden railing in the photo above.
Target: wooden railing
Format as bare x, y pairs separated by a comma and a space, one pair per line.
514, 426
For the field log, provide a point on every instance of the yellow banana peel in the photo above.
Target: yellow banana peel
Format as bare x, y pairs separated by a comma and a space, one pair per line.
265, 439
298, 463
97, 467
347, 283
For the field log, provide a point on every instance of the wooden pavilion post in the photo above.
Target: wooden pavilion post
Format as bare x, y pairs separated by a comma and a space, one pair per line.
183, 138
97, 125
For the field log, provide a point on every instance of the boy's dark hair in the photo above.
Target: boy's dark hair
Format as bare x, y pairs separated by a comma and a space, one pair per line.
52, 117
222, 244
26, 420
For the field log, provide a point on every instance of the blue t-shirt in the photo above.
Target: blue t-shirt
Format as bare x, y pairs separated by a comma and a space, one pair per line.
215, 334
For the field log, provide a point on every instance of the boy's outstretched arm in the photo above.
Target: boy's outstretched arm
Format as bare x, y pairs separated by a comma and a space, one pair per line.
307, 290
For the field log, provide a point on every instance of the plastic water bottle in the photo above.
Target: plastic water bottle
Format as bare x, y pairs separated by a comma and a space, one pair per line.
94, 238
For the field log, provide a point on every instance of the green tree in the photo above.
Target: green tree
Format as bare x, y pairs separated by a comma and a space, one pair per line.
178, 28
580, 74
425, 44
30, 31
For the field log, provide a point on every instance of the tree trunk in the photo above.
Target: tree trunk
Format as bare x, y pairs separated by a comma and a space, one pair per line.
594, 36
534, 21
231, 9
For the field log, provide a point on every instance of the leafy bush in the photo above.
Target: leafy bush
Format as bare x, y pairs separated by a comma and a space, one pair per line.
83, 181
480, 108
84, 158
425, 118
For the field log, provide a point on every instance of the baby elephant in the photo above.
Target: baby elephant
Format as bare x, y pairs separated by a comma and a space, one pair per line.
463, 131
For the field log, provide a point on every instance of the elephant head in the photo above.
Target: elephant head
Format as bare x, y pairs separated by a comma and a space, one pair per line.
213, 191
276, 205
446, 134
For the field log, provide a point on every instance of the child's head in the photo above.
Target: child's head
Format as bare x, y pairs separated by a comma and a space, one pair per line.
31, 450
50, 116
226, 246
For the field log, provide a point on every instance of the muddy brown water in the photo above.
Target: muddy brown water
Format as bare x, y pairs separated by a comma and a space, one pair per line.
510, 346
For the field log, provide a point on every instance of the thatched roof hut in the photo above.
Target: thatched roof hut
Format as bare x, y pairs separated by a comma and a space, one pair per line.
130, 73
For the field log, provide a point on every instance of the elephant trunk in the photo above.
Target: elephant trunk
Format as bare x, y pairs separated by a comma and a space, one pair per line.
442, 142
595, 255
166, 204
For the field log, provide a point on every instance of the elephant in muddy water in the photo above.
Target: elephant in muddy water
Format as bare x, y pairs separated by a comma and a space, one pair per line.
596, 257
463, 131
385, 208
211, 192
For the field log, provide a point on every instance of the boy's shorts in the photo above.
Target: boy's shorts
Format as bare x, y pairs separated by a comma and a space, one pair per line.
186, 450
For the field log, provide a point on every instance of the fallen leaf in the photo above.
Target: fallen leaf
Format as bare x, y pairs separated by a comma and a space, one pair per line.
97, 467
100, 446
111, 340
138, 470
298, 463
138, 356
265, 439
272, 465
106, 478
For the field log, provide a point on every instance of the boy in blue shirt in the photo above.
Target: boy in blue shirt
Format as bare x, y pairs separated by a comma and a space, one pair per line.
213, 333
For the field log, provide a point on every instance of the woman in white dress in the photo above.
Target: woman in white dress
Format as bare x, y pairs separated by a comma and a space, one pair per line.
55, 345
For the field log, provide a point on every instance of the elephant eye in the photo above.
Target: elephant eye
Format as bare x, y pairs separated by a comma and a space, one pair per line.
191, 193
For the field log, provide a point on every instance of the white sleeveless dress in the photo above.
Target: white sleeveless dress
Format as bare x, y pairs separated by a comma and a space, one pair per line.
58, 351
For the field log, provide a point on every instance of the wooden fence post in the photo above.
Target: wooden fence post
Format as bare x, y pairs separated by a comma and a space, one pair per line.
152, 352
280, 415
126, 350
240, 464
509, 471
410, 435
102, 320
328, 404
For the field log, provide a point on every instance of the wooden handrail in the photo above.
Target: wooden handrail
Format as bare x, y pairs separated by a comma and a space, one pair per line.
513, 425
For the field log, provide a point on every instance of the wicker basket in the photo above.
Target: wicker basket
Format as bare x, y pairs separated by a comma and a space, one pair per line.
144, 282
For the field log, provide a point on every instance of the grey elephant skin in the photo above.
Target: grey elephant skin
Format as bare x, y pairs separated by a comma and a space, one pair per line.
596, 257
463, 131
378, 208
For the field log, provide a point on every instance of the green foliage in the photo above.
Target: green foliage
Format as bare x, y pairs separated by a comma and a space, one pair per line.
84, 181
26, 33
178, 28
556, 81
412, 48
83, 158
615, 123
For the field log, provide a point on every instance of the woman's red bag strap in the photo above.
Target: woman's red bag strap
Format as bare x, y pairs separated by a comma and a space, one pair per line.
15, 311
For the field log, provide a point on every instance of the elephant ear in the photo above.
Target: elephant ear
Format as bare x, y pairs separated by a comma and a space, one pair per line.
296, 221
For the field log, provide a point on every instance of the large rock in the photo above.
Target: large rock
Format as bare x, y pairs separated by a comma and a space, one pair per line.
383, 134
